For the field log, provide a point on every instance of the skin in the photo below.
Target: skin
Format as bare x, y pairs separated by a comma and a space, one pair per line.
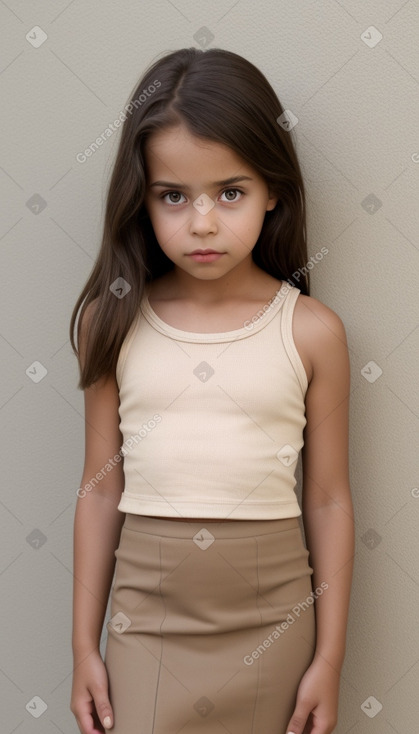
210, 297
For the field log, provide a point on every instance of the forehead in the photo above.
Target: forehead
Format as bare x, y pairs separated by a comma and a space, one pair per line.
179, 152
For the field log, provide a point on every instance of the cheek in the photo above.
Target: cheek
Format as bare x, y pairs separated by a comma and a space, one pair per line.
157, 218
167, 228
251, 225
259, 217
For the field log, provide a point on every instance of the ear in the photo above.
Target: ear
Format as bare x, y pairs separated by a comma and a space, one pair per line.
272, 202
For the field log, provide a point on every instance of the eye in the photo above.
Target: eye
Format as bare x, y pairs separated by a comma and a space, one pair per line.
174, 197
231, 194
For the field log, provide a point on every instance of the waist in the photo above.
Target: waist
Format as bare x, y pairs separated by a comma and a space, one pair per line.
187, 527
199, 519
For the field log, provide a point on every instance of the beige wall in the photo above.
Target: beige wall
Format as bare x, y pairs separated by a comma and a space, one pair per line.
357, 138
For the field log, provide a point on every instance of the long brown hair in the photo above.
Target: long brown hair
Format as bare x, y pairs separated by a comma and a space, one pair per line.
220, 96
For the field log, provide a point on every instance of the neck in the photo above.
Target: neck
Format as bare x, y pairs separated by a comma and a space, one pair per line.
236, 283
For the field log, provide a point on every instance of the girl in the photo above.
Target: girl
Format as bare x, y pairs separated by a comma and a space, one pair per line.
206, 367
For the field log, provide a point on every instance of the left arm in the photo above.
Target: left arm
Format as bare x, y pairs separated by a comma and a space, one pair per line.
326, 503
327, 515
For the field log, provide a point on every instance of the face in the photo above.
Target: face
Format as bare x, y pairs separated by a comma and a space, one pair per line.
201, 195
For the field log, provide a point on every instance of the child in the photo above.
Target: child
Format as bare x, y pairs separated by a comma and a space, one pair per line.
206, 367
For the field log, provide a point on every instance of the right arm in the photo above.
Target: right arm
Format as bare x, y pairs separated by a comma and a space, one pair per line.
97, 529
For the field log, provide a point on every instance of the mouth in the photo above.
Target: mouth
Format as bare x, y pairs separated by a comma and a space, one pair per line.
205, 252
205, 256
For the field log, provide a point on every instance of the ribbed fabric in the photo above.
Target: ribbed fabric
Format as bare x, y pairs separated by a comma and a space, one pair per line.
212, 423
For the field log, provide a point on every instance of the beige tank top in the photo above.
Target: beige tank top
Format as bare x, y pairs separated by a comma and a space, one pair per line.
212, 423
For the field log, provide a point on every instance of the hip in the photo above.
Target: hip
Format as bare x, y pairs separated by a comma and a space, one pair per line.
260, 567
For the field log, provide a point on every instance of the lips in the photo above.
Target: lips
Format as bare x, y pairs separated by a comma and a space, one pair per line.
205, 252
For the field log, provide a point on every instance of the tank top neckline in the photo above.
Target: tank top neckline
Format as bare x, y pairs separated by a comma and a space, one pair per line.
250, 327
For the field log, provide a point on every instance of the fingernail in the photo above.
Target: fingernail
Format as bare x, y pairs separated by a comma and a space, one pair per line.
107, 722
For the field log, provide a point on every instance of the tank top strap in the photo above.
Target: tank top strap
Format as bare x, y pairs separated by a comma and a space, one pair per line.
288, 339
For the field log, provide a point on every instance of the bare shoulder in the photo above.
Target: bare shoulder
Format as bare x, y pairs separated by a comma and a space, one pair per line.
108, 381
85, 321
311, 313
319, 333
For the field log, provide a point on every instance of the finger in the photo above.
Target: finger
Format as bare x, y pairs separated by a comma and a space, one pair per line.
86, 724
90, 723
299, 718
104, 710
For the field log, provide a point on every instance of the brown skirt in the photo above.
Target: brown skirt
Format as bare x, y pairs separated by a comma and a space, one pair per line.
211, 628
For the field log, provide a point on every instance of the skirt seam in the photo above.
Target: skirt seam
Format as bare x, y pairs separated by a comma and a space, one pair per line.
161, 642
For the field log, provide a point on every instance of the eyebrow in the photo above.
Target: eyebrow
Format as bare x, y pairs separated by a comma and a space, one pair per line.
226, 182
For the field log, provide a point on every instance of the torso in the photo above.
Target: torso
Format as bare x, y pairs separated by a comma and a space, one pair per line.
218, 320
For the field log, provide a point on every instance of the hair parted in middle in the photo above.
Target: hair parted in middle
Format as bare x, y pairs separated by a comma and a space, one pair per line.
221, 97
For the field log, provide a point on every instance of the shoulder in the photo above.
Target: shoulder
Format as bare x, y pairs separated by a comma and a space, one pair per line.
319, 333
87, 315
311, 313
85, 321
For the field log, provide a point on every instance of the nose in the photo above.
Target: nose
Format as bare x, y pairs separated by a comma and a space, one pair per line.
203, 216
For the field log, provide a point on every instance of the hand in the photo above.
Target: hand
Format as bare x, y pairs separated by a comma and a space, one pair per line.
316, 708
89, 696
